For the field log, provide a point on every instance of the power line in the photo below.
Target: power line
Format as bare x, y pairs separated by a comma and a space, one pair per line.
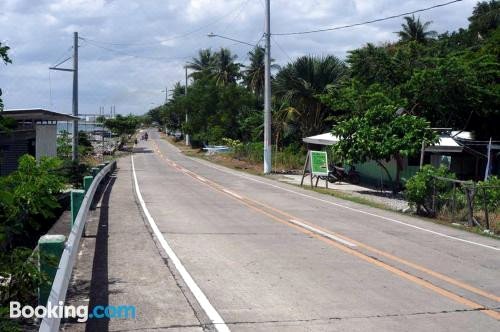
366, 22
109, 49
182, 35
281, 48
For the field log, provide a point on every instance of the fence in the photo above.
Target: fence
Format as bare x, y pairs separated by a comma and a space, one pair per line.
69, 254
466, 202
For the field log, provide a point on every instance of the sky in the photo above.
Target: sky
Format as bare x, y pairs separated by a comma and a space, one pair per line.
132, 50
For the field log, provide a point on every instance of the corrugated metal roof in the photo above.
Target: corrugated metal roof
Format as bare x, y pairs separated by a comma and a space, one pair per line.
37, 114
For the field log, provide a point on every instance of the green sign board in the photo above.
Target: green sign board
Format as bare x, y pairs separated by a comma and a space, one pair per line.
319, 163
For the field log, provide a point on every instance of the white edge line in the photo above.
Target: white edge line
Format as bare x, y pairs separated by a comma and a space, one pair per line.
211, 312
322, 233
350, 208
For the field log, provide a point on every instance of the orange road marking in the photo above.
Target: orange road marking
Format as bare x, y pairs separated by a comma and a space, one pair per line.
405, 275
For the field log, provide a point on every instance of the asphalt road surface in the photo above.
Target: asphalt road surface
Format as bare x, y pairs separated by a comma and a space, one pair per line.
252, 254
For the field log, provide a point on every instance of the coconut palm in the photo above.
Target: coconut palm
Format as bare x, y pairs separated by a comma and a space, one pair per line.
299, 85
203, 65
253, 75
225, 69
415, 30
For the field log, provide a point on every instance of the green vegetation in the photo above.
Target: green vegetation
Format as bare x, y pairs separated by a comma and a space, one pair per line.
5, 123
381, 134
421, 187
381, 100
28, 204
122, 125
27, 198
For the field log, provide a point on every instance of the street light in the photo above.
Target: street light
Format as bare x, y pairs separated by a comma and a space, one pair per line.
212, 35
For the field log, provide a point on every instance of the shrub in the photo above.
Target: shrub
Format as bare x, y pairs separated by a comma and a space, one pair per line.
30, 194
420, 187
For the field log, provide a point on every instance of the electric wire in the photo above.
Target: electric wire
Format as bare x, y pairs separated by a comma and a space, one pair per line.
366, 22
182, 35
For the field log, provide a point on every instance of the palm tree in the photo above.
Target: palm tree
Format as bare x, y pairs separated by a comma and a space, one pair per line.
253, 75
415, 30
203, 65
299, 85
225, 69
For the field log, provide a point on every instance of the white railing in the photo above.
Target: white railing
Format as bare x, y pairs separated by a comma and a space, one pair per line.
68, 257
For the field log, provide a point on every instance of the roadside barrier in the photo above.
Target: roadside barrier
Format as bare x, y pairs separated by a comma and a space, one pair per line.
52, 244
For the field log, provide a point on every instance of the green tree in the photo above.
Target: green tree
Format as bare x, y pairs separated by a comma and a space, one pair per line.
456, 92
485, 17
225, 69
253, 75
203, 65
415, 30
123, 125
32, 196
5, 123
380, 134
300, 84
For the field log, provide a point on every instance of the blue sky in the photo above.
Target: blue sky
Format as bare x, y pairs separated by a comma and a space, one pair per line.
134, 49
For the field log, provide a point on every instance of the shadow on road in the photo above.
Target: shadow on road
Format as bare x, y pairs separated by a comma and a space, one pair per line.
99, 284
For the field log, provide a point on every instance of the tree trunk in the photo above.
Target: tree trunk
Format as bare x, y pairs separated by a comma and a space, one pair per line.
399, 168
386, 172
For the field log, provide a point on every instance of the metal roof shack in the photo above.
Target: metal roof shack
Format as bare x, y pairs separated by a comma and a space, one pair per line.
35, 134
37, 115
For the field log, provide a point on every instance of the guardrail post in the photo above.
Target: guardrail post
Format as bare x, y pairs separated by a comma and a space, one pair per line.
87, 181
94, 171
50, 249
76, 201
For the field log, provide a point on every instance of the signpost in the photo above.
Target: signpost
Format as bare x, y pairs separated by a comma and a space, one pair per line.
316, 166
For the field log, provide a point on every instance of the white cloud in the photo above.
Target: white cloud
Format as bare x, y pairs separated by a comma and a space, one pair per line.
146, 43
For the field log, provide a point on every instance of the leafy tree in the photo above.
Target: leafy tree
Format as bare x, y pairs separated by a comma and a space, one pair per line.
225, 69
123, 125
253, 75
5, 123
485, 17
216, 111
380, 134
64, 145
203, 65
299, 85
455, 91
33, 190
415, 30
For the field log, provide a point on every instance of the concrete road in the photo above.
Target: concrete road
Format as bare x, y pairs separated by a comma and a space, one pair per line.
253, 254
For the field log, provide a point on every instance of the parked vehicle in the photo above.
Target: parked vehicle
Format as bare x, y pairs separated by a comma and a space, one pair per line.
341, 175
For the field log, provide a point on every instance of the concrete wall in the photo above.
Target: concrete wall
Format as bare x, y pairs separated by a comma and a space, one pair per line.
46, 141
372, 174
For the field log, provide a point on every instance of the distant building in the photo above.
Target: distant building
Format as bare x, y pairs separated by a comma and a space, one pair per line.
35, 134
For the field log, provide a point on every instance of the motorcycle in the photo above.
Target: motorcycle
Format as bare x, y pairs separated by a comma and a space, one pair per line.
341, 175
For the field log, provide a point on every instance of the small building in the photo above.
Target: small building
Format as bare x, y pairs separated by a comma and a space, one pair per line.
456, 150
35, 134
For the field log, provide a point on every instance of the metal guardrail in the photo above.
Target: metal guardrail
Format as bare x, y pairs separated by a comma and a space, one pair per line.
68, 258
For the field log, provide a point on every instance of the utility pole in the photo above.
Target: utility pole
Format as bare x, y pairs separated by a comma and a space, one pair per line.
185, 94
74, 149
267, 91
166, 95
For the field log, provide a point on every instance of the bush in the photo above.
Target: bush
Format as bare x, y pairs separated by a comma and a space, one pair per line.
28, 195
420, 187
20, 279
